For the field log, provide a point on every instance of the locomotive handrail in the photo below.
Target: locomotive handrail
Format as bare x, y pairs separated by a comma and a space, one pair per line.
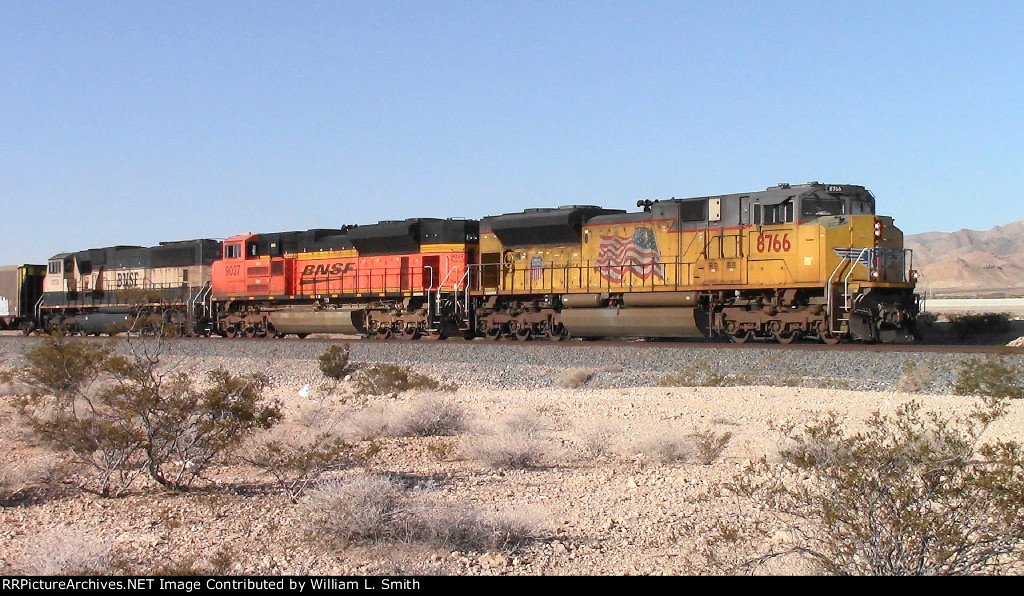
846, 286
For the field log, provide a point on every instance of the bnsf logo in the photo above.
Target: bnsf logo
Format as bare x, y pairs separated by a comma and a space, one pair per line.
329, 269
128, 280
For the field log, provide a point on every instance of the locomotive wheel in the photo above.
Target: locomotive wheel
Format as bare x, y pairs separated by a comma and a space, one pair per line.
231, 332
742, 337
384, 333
785, 338
249, 332
435, 335
523, 333
410, 333
828, 339
556, 333
494, 333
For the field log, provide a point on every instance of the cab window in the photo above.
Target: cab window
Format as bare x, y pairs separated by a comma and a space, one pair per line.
54, 267
232, 251
861, 207
774, 214
820, 207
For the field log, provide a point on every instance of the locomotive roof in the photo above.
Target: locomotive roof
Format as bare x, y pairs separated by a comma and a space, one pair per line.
561, 225
781, 192
409, 234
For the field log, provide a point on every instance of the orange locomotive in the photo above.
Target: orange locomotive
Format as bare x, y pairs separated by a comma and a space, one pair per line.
394, 278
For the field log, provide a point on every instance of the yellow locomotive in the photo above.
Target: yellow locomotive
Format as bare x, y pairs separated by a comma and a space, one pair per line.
807, 260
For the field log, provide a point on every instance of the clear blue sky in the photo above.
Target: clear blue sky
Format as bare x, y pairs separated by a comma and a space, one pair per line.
136, 122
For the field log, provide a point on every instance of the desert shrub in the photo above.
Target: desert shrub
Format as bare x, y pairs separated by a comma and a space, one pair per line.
513, 529
968, 325
914, 378
122, 416
667, 445
524, 423
574, 378
508, 449
989, 377
298, 460
370, 508
299, 452
709, 445
432, 417
64, 551
461, 526
334, 361
596, 437
914, 494
362, 509
20, 482
382, 379
367, 424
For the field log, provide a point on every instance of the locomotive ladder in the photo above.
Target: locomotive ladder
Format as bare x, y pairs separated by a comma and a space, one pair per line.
846, 306
200, 301
434, 311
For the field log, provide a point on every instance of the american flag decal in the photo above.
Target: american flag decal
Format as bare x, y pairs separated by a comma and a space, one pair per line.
536, 269
637, 254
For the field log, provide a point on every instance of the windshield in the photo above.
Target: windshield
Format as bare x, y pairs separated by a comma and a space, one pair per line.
813, 207
861, 206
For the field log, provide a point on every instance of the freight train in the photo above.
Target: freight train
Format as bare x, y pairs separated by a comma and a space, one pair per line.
793, 261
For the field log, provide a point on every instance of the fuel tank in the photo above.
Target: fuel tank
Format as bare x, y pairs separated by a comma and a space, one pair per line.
634, 322
334, 320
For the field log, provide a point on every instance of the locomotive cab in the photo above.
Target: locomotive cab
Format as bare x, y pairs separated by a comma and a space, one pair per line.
244, 271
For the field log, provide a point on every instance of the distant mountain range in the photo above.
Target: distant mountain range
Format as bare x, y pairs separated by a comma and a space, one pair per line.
968, 263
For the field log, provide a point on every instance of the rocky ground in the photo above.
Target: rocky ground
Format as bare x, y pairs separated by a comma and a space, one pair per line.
599, 498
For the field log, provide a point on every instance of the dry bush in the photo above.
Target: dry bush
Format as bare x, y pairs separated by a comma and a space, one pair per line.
298, 453
915, 379
915, 494
574, 378
373, 509
365, 508
122, 416
596, 437
667, 445
367, 424
709, 445
297, 459
384, 379
518, 443
508, 450
17, 482
463, 527
65, 551
431, 416
990, 377
334, 361
368, 509
523, 423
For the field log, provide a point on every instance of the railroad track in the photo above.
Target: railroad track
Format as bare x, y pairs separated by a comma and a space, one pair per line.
689, 344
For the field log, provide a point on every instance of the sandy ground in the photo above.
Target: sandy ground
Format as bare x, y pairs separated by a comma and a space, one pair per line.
617, 512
